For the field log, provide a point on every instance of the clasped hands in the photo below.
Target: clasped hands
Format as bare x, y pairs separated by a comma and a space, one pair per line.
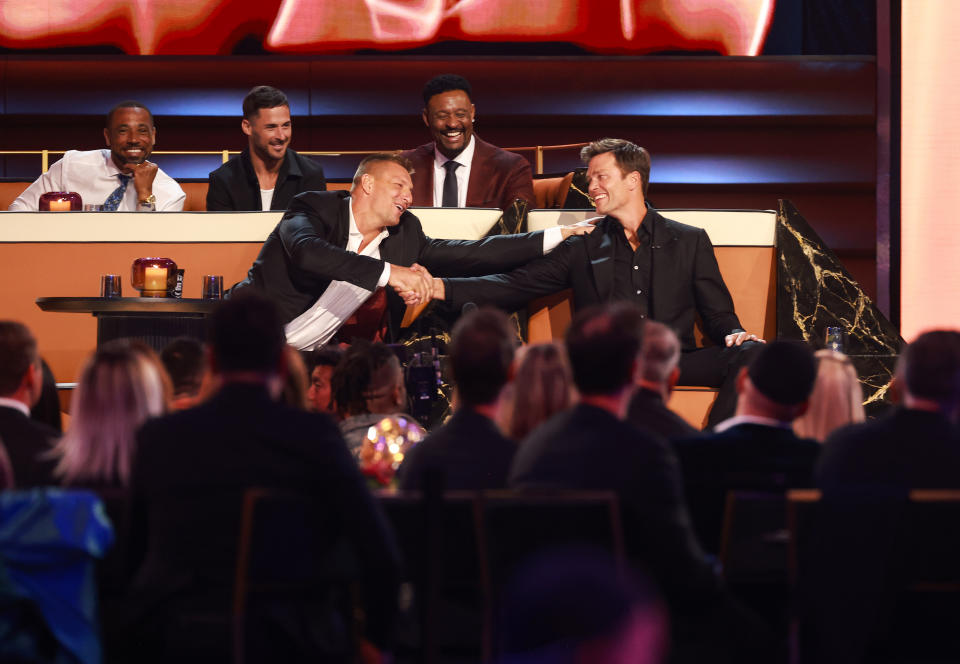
414, 284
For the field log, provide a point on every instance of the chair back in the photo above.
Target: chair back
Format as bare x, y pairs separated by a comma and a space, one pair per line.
753, 542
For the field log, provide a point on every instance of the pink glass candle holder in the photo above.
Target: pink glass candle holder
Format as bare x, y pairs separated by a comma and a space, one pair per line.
60, 201
153, 277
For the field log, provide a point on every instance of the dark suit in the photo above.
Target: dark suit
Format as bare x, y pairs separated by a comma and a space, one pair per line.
470, 451
745, 456
26, 442
497, 177
190, 472
234, 185
306, 251
648, 411
588, 448
686, 283
905, 449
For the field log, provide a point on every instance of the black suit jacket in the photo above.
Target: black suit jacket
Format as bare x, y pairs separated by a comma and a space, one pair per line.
470, 451
906, 449
26, 442
306, 251
648, 412
745, 456
686, 279
497, 177
588, 448
234, 185
192, 467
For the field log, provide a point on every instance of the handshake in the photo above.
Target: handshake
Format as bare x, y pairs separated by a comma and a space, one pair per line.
415, 284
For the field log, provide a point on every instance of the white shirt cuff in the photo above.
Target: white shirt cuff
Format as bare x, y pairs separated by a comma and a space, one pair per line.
384, 276
552, 236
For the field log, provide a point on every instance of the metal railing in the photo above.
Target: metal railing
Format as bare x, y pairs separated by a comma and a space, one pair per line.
538, 150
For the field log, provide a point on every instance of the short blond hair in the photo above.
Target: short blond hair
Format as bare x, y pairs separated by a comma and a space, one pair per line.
376, 158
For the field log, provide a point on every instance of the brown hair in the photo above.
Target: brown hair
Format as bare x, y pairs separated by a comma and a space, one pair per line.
541, 387
376, 158
630, 157
18, 352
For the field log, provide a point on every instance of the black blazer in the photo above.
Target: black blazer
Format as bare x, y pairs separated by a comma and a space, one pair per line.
306, 251
27, 443
588, 448
686, 279
647, 411
189, 474
905, 449
470, 451
234, 185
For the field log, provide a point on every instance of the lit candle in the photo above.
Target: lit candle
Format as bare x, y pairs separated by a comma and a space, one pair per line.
60, 206
155, 278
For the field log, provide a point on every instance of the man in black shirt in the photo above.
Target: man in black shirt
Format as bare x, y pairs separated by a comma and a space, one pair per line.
665, 268
268, 174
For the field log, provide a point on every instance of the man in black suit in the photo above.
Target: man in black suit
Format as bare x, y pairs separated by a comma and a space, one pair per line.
469, 449
26, 441
756, 449
192, 467
648, 406
268, 174
916, 445
328, 261
666, 268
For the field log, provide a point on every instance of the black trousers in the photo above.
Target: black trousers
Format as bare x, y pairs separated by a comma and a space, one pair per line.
714, 366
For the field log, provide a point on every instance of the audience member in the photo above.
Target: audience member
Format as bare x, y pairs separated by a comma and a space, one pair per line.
267, 174
755, 449
479, 174
916, 445
192, 468
469, 450
591, 447
102, 177
6, 469
648, 407
185, 363
541, 386
836, 400
27, 441
118, 390
368, 386
321, 364
574, 605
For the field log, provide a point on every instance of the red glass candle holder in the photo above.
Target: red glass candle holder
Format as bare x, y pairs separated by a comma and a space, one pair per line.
154, 277
60, 201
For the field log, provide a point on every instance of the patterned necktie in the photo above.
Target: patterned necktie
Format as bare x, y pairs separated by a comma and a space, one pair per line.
113, 200
450, 185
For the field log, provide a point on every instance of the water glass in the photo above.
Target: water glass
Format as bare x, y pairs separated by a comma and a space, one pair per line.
110, 285
212, 287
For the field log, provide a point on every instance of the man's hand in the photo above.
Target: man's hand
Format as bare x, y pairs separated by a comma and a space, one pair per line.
737, 338
143, 174
414, 284
579, 228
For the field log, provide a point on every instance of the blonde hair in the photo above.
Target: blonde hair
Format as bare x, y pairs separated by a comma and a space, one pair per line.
836, 400
542, 385
119, 389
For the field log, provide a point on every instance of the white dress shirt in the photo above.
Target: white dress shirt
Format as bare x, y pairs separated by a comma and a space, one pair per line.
465, 159
93, 175
317, 325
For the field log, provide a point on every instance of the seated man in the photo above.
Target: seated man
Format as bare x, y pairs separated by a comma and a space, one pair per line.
914, 446
469, 449
104, 177
268, 174
458, 169
757, 448
328, 260
190, 472
648, 406
668, 269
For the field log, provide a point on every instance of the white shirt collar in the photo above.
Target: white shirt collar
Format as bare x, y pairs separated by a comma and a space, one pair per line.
13, 403
109, 163
465, 157
355, 237
750, 419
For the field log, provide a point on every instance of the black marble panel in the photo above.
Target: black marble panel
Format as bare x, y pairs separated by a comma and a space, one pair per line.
815, 291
